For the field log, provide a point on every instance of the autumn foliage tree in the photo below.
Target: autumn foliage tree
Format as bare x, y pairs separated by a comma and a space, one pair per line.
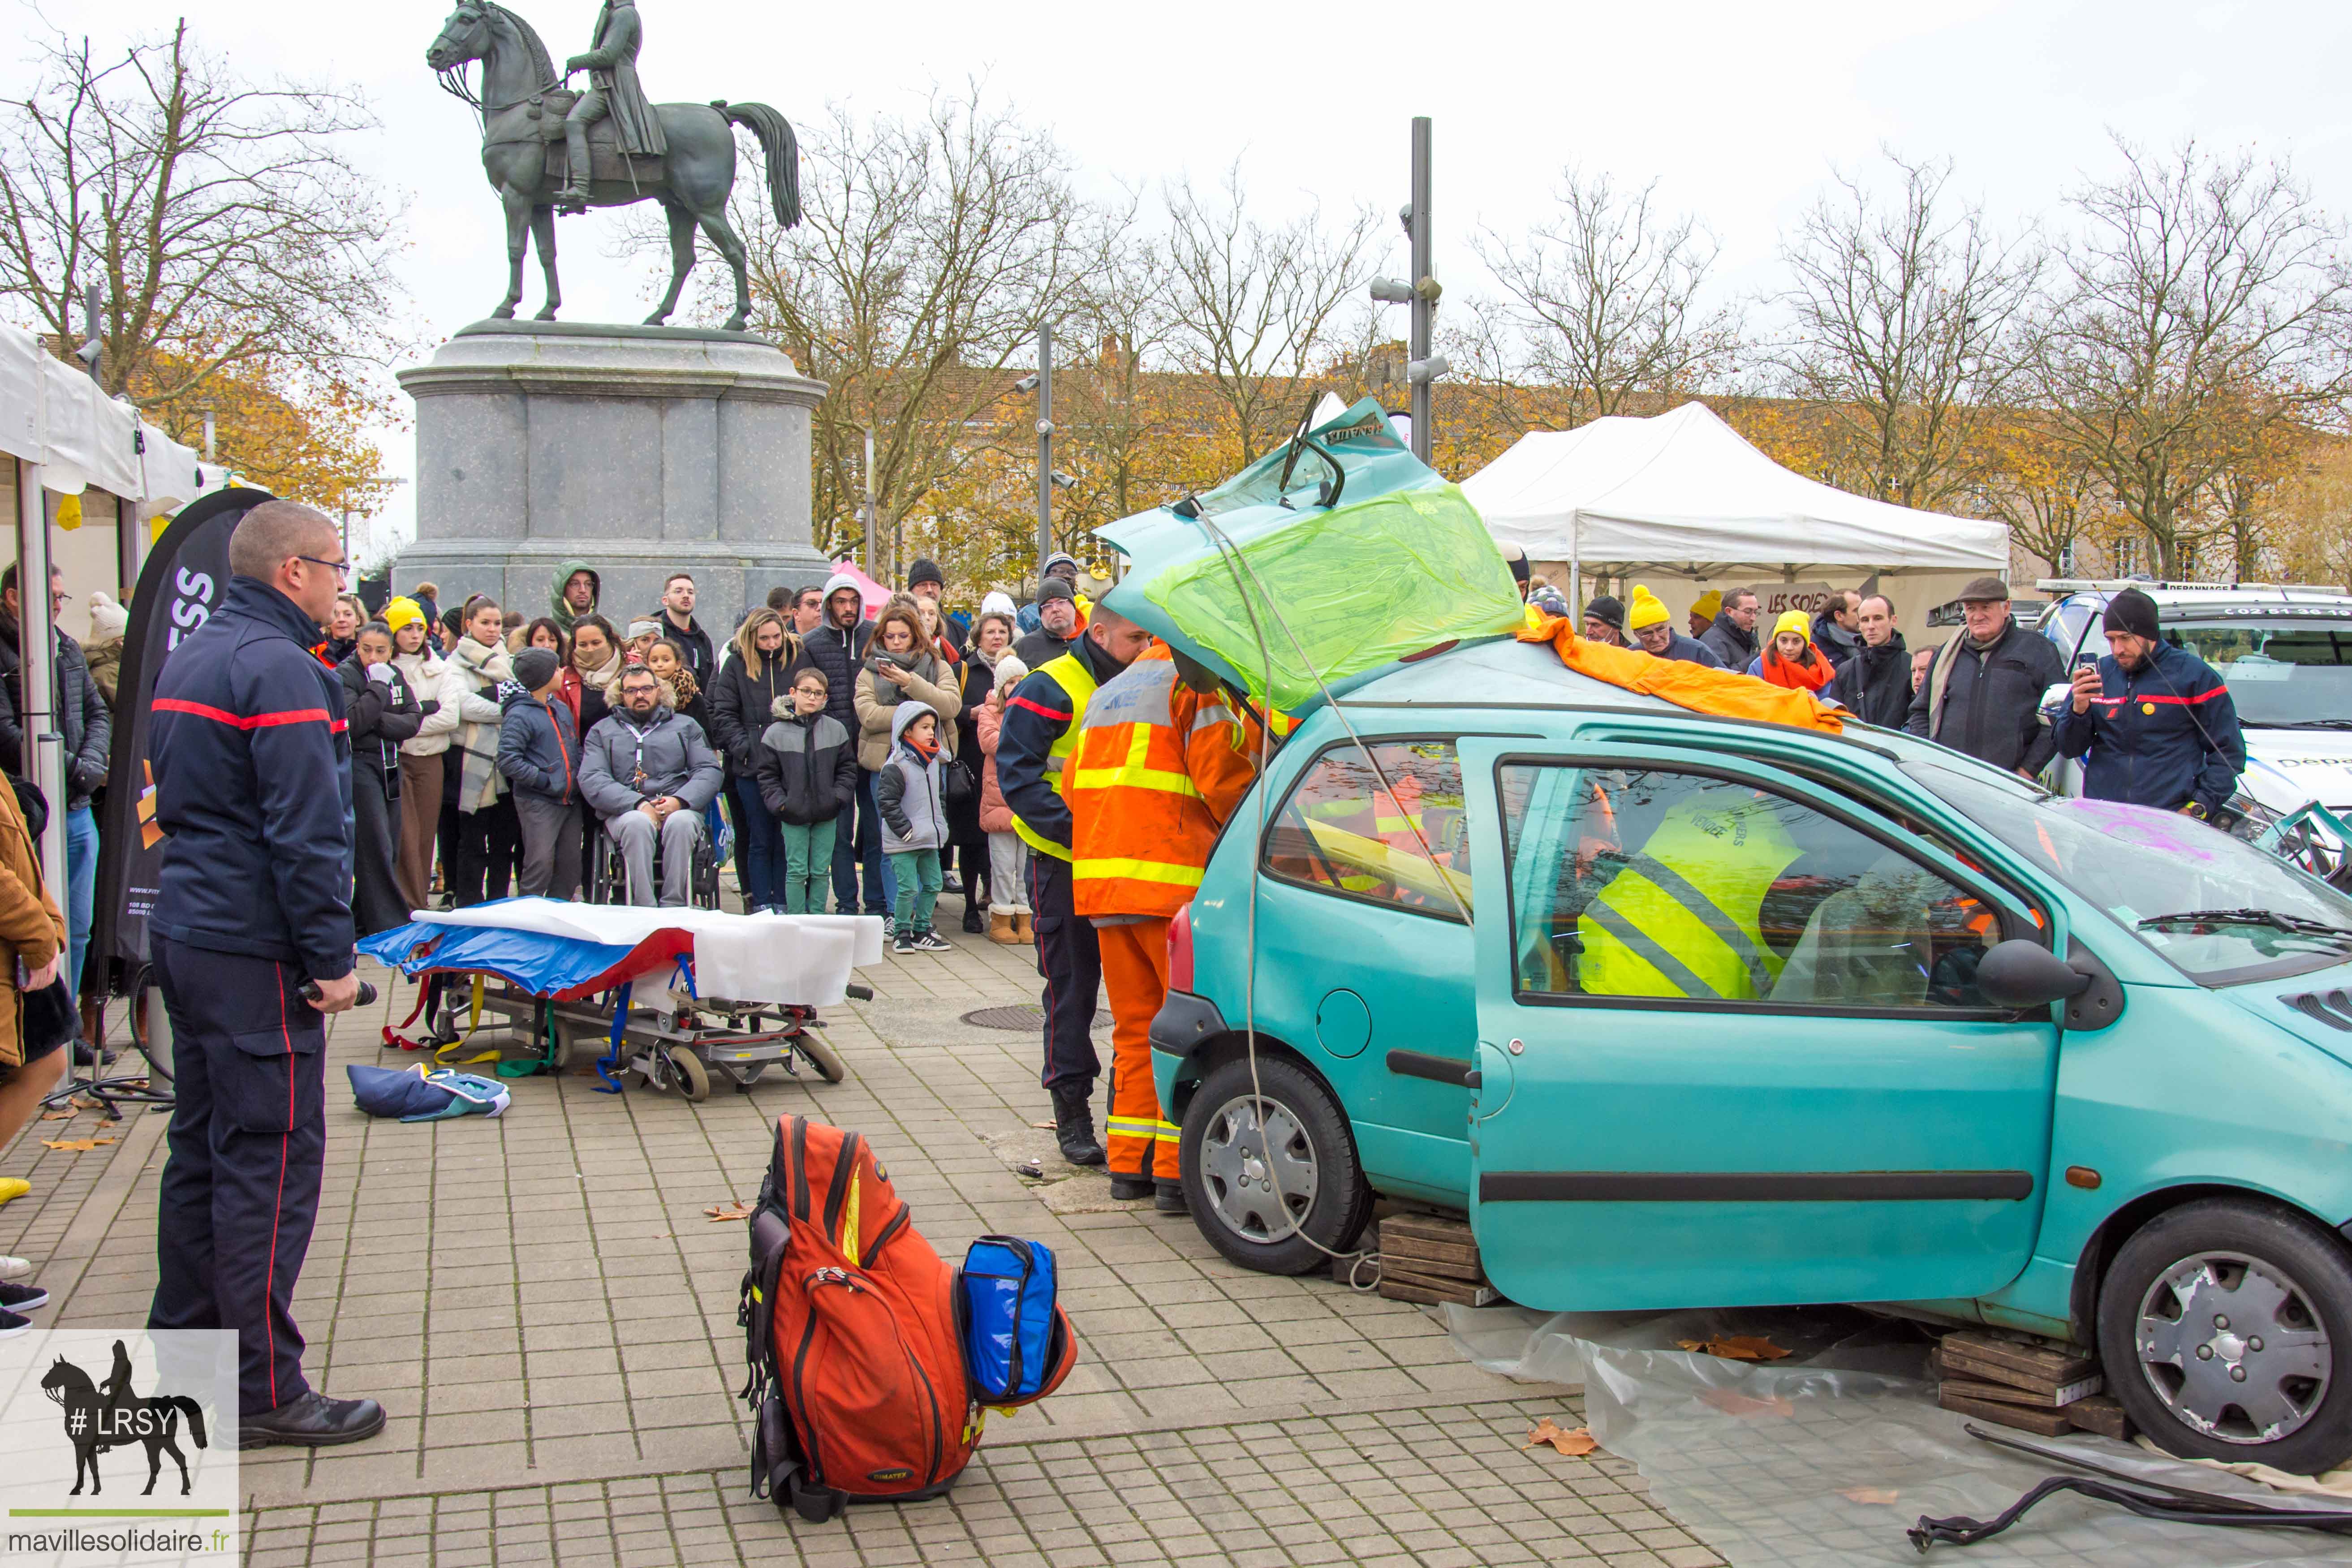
243, 260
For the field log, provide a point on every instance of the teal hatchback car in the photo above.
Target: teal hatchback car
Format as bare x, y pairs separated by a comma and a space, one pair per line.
1687, 1011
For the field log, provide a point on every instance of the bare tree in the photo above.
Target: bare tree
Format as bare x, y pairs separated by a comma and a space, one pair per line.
929, 250
1904, 317
1254, 308
221, 218
1603, 302
2203, 310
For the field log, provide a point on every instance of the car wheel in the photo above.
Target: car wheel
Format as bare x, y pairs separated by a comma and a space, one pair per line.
2225, 1329
1272, 1174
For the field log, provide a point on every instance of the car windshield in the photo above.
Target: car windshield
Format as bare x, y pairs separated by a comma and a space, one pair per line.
2256, 917
2283, 672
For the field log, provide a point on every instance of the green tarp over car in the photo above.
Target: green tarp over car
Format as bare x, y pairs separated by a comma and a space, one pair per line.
1334, 554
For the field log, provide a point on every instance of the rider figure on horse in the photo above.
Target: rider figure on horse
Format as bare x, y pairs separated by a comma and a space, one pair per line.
613, 89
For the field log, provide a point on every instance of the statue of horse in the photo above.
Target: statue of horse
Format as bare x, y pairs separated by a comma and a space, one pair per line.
522, 103
95, 1423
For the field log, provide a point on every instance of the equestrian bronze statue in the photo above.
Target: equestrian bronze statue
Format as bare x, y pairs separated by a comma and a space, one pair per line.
546, 147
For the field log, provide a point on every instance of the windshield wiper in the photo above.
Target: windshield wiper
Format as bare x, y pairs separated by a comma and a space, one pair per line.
2307, 724
2272, 918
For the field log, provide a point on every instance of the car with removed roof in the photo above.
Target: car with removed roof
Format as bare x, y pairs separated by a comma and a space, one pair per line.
1686, 1010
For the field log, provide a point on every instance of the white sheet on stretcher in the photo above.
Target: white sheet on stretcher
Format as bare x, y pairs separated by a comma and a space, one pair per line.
803, 959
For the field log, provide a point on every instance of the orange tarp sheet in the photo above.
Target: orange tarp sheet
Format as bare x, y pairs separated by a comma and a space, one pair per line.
1722, 692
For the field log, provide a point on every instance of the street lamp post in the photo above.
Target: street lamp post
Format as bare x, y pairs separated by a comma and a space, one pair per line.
1044, 445
1421, 291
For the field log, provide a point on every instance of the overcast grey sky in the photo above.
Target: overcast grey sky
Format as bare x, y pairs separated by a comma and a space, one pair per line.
1739, 109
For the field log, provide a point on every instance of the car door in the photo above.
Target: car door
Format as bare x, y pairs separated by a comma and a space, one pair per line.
1730, 1049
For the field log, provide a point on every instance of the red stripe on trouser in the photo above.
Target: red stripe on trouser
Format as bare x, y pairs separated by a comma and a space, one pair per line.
277, 1212
1135, 972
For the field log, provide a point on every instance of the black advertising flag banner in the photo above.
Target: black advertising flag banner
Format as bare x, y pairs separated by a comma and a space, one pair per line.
185, 575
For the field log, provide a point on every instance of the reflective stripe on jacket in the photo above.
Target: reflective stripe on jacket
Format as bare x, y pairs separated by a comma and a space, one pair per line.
1069, 679
1156, 771
1684, 916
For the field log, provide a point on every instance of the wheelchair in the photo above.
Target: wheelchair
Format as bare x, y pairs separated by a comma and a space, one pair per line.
608, 879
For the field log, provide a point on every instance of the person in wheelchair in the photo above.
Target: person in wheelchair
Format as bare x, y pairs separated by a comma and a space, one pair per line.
648, 772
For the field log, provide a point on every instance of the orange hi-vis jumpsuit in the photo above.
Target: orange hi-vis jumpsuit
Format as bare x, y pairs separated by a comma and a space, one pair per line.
1158, 769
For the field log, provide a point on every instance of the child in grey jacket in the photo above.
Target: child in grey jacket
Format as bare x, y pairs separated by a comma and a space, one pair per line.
539, 752
908, 794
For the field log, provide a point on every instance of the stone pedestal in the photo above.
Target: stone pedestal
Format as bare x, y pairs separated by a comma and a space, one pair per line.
644, 450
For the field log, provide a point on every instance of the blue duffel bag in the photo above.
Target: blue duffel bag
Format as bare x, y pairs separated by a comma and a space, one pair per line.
1017, 1344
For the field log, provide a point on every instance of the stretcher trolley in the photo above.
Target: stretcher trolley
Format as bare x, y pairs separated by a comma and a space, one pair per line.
682, 997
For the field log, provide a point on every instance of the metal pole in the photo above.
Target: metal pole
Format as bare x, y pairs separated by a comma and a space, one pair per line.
1423, 308
36, 627
1044, 445
208, 435
871, 547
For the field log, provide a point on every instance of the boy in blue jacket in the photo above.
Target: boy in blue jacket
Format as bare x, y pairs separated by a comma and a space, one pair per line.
914, 811
539, 752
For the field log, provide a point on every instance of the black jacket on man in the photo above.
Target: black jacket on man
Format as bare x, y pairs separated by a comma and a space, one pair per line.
83, 717
1876, 683
1836, 643
253, 788
1990, 699
1734, 648
700, 656
838, 653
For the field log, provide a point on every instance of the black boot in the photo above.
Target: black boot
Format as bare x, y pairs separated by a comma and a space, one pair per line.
1074, 1128
1128, 1189
311, 1421
1168, 1197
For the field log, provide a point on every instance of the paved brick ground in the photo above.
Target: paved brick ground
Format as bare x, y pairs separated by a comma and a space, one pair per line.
550, 1320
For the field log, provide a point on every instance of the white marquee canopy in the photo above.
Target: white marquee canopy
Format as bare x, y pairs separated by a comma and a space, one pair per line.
1684, 492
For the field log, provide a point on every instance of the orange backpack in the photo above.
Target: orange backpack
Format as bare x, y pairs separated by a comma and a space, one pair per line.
859, 1388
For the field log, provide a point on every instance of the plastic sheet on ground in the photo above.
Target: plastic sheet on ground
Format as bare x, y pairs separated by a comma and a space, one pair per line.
1787, 1464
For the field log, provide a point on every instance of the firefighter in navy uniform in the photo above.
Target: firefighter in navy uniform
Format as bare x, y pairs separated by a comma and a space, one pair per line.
1039, 732
2155, 721
253, 786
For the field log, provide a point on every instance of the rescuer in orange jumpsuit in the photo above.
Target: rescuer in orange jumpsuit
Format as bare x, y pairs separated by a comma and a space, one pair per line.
1162, 760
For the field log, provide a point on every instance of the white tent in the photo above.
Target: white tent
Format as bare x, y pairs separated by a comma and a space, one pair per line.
1684, 493
68, 436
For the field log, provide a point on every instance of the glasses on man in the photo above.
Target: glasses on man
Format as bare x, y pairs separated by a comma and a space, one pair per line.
342, 569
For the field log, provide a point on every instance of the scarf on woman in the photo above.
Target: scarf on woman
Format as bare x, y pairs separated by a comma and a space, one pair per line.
605, 674
1810, 673
889, 692
480, 783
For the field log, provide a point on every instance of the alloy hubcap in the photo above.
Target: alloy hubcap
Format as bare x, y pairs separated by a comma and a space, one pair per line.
1261, 1179
2232, 1347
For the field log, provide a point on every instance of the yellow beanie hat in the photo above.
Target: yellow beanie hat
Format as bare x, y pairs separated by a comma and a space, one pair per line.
1795, 621
1645, 610
400, 612
1710, 603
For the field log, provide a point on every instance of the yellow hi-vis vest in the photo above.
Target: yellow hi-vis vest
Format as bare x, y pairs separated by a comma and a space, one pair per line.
1684, 916
1078, 683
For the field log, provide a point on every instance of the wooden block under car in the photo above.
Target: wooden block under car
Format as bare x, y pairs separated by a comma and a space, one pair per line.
2023, 1362
1984, 1381
2103, 1414
2001, 1413
1432, 1290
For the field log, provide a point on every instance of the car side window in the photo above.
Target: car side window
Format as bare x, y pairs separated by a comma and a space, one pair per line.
1650, 882
1392, 833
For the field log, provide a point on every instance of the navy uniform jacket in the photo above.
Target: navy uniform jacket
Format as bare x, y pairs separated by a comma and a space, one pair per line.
253, 783
1035, 716
2166, 733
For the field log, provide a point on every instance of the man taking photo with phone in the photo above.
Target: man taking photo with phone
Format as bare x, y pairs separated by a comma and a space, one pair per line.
2157, 724
253, 788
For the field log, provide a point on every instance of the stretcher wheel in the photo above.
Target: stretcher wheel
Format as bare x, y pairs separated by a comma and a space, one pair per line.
693, 1077
822, 1056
